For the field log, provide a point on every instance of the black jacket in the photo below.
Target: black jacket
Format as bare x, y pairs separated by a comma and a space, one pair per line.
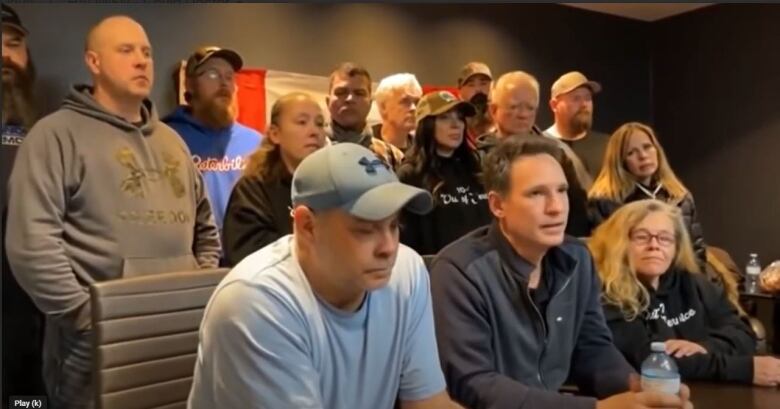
578, 223
498, 349
460, 206
600, 209
257, 214
687, 306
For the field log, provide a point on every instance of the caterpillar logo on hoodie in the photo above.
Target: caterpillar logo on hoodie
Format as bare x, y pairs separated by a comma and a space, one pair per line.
13, 135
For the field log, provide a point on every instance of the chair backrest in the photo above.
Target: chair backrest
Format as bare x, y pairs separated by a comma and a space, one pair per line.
146, 338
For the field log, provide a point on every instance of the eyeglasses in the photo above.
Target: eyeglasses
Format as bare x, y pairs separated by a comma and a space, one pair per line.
644, 237
214, 75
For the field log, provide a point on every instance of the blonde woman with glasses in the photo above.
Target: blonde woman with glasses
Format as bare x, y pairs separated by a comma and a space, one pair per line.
653, 292
635, 168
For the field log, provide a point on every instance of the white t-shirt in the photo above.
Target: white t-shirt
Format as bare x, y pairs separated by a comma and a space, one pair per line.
267, 341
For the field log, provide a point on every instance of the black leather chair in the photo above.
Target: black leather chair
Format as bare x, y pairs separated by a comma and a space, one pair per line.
146, 338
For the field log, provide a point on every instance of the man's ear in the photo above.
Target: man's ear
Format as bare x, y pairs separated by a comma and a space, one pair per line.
492, 108
496, 204
92, 61
303, 223
553, 104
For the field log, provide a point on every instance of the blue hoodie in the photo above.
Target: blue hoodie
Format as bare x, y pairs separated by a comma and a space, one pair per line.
219, 155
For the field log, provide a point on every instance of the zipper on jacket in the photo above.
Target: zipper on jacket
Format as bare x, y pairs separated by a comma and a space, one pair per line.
544, 336
544, 327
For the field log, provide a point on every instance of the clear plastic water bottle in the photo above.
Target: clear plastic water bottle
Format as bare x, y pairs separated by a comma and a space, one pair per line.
752, 274
659, 371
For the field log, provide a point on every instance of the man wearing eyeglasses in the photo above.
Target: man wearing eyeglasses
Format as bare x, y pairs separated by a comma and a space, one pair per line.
349, 102
219, 145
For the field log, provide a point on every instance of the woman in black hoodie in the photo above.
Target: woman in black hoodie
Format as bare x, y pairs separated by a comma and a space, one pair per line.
635, 168
258, 212
653, 292
441, 162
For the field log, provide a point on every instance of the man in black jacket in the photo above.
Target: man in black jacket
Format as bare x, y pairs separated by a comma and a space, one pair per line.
516, 304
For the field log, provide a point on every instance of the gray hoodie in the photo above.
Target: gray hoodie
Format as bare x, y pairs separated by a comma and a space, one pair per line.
94, 197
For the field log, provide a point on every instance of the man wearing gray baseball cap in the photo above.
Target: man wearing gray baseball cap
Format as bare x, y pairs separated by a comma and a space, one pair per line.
336, 315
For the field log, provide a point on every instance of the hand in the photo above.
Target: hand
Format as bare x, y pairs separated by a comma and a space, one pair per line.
681, 348
766, 371
647, 400
636, 399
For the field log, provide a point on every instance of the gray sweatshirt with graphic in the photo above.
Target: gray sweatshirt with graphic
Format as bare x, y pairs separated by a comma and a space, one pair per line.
94, 197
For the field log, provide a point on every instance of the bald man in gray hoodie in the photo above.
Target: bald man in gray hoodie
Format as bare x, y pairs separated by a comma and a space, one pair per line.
101, 190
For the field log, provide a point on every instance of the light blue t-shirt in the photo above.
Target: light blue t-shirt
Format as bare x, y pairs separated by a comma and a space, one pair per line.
267, 341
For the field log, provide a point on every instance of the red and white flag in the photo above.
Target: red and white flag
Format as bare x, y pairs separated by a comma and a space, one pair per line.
258, 89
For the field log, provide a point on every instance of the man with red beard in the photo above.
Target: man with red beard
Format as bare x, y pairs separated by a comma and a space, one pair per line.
572, 105
22, 322
219, 145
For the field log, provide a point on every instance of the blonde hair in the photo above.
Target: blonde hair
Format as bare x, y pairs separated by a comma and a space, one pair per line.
615, 182
609, 245
513, 79
266, 162
392, 83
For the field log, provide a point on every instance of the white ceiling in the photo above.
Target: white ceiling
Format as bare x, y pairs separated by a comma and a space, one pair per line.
640, 11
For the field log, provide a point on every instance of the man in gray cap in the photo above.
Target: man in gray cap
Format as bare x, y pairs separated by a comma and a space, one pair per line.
336, 315
572, 105
474, 85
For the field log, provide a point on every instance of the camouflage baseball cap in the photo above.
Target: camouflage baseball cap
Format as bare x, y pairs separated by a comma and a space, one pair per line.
439, 102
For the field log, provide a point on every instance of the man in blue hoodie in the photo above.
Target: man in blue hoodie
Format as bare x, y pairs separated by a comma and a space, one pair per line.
219, 145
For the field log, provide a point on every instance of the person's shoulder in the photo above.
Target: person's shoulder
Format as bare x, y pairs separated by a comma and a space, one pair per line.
701, 281
381, 147
270, 272
467, 250
246, 131
613, 313
576, 250
266, 287
61, 119
407, 174
408, 269
249, 183
60, 124
575, 246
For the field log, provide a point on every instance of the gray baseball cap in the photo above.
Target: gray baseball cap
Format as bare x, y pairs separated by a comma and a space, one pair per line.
351, 177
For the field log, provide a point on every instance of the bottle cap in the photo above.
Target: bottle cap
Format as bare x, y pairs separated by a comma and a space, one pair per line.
658, 347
